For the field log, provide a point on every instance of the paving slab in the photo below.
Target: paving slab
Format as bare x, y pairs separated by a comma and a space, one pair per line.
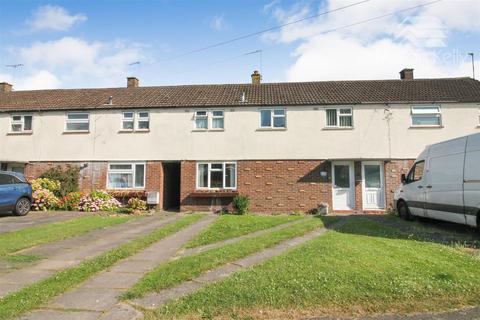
10, 223
190, 251
61, 315
67, 255
156, 299
100, 293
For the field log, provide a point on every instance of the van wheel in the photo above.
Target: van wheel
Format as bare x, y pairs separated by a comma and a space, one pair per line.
403, 211
22, 206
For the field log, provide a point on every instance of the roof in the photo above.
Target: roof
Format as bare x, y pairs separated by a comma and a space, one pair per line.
265, 94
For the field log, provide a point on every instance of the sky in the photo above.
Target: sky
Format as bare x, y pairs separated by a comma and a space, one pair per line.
98, 43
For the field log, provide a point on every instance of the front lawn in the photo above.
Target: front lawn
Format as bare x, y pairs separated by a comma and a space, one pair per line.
189, 267
231, 226
25, 238
363, 267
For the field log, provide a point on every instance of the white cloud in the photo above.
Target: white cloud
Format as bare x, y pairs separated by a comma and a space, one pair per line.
54, 18
218, 23
73, 62
376, 49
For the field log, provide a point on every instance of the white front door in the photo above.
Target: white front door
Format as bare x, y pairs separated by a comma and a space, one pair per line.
373, 185
343, 185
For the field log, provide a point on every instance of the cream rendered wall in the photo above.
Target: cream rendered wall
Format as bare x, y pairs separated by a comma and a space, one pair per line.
172, 136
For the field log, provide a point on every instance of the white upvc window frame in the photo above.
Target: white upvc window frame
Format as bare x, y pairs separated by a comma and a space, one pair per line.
196, 117
209, 169
67, 121
217, 117
132, 171
338, 116
415, 111
127, 120
20, 122
272, 118
135, 119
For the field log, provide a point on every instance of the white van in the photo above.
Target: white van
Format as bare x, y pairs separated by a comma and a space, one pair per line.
444, 183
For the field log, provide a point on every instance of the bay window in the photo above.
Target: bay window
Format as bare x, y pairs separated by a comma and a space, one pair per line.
21, 123
339, 117
426, 116
126, 175
216, 175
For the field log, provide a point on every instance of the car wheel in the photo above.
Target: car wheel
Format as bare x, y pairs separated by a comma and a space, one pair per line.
22, 206
403, 211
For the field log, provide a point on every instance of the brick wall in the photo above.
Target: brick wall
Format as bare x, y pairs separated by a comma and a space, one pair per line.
393, 173
273, 186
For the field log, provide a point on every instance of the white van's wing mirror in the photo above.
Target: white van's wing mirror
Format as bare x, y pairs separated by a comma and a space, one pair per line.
404, 178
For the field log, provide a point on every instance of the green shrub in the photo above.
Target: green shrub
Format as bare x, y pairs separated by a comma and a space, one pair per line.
70, 201
68, 179
45, 184
241, 204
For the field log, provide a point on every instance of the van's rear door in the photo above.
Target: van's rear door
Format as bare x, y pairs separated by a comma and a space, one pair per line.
472, 179
444, 184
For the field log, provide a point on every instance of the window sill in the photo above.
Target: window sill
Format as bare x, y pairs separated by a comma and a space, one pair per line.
271, 129
208, 130
426, 127
338, 128
211, 193
24, 133
76, 132
134, 131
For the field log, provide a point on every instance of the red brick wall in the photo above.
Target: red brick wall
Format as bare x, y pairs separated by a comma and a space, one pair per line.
393, 173
273, 186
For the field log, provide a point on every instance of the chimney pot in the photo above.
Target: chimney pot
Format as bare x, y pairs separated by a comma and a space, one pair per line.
5, 87
256, 77
406, 74
132, 82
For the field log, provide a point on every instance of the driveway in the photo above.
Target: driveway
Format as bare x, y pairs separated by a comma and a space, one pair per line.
9, 222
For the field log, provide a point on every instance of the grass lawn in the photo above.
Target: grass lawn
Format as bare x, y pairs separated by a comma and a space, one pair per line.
364, 267
17, 240
41, 292
189, 267
231, 226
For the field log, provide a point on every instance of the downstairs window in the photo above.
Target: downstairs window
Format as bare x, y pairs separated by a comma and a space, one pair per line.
216, 175
126, 176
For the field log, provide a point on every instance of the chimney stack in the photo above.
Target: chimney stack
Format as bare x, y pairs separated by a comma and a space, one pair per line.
406, 74
256, 77
5, 87
132, 82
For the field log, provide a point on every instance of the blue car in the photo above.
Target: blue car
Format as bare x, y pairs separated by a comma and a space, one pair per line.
15, 193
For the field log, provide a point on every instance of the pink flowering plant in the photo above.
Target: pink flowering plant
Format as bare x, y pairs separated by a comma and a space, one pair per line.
137, 204
44, 200
98, 200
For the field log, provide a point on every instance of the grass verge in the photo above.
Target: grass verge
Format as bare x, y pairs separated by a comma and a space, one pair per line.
231, 226
189, 267
22, 260
362, 268
33, 296
17, 240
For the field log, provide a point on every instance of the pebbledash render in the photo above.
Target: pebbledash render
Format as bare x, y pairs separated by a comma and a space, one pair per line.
288, 146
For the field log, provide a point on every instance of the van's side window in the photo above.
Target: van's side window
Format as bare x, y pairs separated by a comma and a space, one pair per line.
416, 173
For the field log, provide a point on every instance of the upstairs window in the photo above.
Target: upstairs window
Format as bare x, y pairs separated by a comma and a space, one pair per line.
126, 175
426, 116
21, 123
78, 121
273, 118
203, 122
216, 175
339, 117
135, 121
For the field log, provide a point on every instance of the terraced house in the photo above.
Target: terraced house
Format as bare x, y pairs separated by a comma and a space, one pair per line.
288, 146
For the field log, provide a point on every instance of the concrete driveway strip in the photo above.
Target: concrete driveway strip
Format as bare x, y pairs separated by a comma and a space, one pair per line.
72, 251
13, 223
100, 293
157, 299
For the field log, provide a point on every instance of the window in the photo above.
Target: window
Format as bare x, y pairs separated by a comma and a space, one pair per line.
8, 179
217, 175
126, 175
142, 120
340, 118
78, 121
416, 173
217, 119
201, 119
21, 123
426, 116
273, 118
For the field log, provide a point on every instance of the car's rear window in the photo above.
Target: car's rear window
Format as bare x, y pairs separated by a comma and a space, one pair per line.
8, 179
